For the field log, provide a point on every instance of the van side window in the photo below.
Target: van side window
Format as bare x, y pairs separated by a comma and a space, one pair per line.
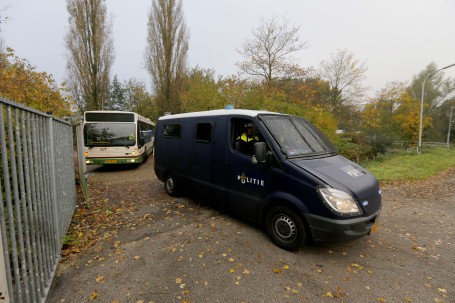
204, 132
243, 136
171, 130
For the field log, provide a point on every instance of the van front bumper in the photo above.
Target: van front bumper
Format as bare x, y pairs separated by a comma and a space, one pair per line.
331, 230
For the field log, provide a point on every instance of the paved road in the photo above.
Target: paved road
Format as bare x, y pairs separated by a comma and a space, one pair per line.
164, 249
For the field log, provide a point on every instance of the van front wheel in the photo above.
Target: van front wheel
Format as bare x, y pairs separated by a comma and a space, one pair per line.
170, 185
285, 228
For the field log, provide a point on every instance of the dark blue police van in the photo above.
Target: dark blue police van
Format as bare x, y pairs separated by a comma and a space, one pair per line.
274, 169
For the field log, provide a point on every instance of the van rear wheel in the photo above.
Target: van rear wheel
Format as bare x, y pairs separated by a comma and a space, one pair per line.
170, 185
285, 228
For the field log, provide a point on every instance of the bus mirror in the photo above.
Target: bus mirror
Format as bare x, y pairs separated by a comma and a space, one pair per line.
259, 153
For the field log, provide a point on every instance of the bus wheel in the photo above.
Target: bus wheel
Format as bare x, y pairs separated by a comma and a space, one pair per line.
144, 156
170, 185
285, 228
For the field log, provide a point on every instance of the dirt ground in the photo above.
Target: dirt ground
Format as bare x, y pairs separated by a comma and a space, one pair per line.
136, 244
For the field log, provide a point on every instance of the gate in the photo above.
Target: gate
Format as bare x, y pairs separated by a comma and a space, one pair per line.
37, 182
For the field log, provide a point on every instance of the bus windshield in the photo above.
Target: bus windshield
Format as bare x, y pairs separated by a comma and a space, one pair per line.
109, 134
297, 137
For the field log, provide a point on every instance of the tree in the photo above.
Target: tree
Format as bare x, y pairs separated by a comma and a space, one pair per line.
138, 100
437, 88
268, 54
407, 117
116, 99
20, 82
166, 52
2, 21
90, 53
345, 75
201, 91
377, 114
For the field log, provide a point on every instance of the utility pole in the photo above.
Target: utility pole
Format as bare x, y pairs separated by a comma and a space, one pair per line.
450, 126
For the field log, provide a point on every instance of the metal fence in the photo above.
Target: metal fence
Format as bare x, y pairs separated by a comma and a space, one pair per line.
38, 199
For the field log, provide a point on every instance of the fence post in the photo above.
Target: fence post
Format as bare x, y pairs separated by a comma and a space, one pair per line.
83, 180
53, 180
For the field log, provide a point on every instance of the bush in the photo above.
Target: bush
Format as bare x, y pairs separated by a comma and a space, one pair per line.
359, 147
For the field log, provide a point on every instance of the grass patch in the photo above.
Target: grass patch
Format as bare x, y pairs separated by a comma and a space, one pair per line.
409, 167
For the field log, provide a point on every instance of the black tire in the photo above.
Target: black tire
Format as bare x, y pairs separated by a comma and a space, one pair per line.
144, 156
170, 185
285, 228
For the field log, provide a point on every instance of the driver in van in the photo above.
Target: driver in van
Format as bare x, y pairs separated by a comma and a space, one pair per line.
245, 142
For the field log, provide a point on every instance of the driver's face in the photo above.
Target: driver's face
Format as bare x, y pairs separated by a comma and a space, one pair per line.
250, 131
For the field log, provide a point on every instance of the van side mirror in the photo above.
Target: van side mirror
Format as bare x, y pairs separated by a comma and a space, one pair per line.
259, 155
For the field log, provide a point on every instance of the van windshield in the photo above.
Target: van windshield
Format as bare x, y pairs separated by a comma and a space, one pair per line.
297, 137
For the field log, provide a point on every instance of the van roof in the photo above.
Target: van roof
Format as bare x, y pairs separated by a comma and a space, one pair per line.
219, 112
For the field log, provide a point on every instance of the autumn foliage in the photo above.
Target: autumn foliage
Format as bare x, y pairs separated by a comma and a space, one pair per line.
22, 83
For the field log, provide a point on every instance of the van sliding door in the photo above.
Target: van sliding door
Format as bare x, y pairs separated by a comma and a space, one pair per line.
201, 157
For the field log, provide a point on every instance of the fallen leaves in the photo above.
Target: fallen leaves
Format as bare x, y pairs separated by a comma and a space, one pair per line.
336, 294
93, 296
100, 279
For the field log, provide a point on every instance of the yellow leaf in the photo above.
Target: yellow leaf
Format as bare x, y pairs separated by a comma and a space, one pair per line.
407, 299
137, 257
328, 295
100, 279
93, 295
178, 281
356, 265
231, 270
442, 290
246, 272
382, 300
418, 248
286, 267
277, 270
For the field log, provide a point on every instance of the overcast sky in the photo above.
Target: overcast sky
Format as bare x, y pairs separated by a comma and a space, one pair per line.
396, 38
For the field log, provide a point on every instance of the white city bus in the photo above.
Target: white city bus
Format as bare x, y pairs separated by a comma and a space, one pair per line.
117, 137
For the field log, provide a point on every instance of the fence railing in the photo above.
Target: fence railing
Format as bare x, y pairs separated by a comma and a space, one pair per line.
38, 199
409, 146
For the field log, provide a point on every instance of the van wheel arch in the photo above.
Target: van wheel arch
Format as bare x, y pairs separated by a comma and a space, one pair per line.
285, 226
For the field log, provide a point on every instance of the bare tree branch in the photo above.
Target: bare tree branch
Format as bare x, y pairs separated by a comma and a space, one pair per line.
268, 54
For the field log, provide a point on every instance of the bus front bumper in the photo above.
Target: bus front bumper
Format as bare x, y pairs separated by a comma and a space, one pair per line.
112, 161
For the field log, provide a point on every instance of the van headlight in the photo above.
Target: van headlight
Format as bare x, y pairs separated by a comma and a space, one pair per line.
339, 202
